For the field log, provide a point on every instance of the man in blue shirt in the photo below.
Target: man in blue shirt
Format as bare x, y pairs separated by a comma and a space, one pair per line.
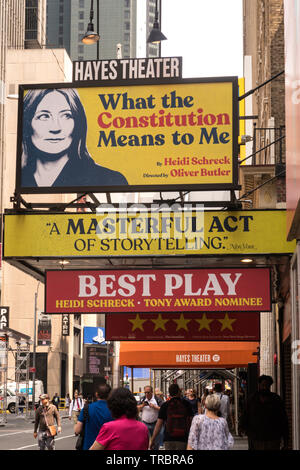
98, 415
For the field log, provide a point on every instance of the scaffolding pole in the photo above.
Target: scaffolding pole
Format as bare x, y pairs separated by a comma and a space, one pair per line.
22, 376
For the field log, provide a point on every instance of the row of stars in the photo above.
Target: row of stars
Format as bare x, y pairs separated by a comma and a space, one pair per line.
182, 323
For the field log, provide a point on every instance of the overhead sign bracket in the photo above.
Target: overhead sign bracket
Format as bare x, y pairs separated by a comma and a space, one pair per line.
81, 203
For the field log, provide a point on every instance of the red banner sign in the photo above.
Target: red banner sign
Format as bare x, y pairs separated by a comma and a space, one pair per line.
158, 290
183, 327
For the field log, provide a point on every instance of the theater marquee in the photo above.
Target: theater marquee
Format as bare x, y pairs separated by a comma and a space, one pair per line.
154, 233
232, 326
164, 290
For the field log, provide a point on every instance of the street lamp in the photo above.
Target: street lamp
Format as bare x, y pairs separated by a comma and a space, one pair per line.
91, 37
156, 36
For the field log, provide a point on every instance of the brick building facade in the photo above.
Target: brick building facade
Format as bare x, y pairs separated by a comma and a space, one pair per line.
264, 57
264, 44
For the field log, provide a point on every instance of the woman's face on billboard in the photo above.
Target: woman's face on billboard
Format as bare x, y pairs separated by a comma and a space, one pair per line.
52, 124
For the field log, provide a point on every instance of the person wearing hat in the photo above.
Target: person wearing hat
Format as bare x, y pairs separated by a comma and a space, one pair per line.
45, 416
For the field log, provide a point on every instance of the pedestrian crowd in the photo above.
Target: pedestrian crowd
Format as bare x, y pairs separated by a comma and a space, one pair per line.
115, 421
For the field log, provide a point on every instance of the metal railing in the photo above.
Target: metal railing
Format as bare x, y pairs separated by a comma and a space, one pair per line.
268, 145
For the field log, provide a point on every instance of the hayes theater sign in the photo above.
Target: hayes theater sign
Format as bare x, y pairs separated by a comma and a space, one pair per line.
164, 290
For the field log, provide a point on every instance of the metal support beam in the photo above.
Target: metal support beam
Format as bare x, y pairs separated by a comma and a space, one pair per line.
262, 149
250, 92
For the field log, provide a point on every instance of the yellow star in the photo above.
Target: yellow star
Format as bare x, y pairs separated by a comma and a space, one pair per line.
204, 323
182, 323
227, 323
159, 323
137, 323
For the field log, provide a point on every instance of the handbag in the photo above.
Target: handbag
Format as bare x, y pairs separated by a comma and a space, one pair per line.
80, 439
52, 428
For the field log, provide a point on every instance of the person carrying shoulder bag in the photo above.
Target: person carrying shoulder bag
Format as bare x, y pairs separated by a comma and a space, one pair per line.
44, 424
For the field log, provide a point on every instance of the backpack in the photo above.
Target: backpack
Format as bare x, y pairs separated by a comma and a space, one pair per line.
177, 423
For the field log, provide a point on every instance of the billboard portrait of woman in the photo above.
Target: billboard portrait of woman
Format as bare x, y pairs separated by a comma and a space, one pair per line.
54, 151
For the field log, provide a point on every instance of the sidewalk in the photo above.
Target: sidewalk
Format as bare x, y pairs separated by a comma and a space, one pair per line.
240, 443
22, 420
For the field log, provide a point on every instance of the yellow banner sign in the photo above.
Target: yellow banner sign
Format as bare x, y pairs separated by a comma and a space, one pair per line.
146, 234
131, 136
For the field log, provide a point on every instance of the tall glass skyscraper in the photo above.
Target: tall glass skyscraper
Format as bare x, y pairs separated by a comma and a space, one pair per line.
67, 22
125, 22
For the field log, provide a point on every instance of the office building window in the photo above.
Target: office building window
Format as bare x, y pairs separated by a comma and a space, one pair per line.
127, 25
126, 37
81, 15
80, 50
127, 3
80, 57
81, 3
80, 26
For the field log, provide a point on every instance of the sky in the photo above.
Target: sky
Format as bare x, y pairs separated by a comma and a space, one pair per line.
208, 34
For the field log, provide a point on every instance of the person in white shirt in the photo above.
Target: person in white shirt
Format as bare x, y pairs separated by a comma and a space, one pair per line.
76, 406
149, 407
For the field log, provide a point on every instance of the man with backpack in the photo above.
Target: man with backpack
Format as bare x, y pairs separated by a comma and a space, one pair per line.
93, 416
177, 415
149, 408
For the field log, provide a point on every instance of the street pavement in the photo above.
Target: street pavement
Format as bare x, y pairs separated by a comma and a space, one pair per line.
17, 434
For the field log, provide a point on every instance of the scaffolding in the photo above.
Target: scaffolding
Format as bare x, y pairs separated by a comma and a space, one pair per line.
18, 373
197, 379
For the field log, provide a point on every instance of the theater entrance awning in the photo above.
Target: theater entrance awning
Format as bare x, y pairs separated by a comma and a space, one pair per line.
191, 355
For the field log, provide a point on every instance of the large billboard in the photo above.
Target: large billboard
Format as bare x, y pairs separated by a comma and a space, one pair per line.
128, 136
153, 233
164, 290
233, 326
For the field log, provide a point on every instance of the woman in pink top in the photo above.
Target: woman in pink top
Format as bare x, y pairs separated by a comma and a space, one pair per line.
125, 432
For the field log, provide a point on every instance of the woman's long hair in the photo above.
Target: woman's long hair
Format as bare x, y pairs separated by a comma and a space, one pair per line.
77, 150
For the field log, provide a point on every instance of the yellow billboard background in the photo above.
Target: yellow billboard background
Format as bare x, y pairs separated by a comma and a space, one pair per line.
151, 234
128, 150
